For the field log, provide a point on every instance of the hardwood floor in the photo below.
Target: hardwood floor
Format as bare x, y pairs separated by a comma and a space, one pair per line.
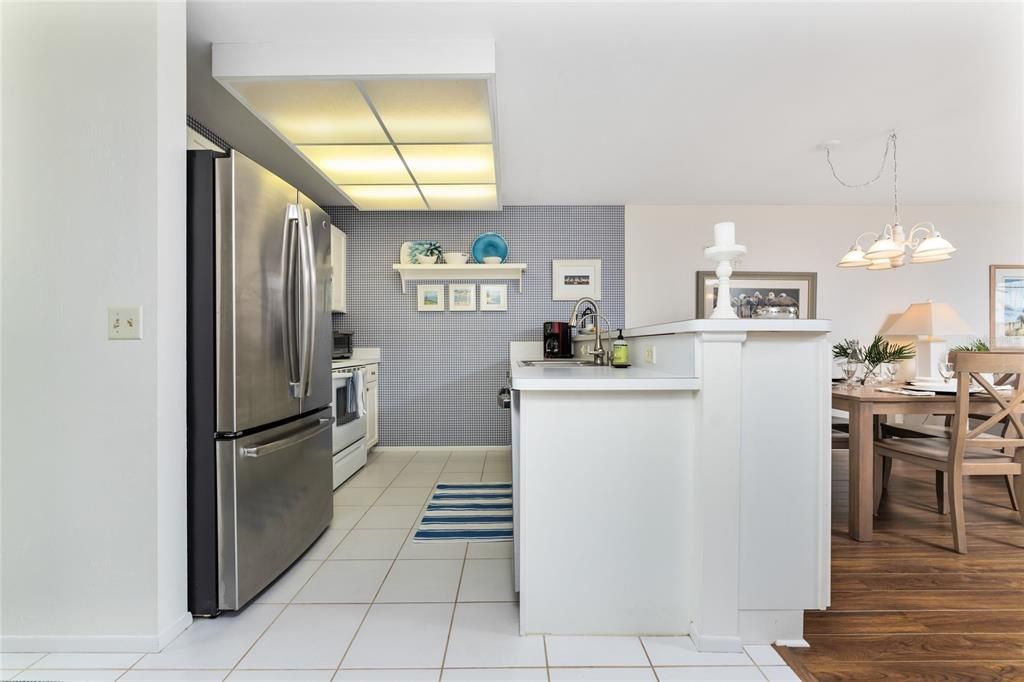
905, 606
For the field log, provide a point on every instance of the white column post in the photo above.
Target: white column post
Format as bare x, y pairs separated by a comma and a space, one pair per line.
717, 525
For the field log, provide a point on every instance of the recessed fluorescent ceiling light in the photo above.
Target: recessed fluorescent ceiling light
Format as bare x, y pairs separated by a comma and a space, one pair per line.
305, 111
385, 197
449, 163
359, 164
432, 110
380, 139
460, 197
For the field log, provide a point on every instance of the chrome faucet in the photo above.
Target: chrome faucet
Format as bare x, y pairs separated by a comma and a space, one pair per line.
598, 351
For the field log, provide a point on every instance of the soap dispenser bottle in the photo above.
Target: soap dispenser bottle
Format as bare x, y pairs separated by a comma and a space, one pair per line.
620, 352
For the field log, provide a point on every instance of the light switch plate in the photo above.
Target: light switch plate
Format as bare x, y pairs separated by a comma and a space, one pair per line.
650, 355
124, 323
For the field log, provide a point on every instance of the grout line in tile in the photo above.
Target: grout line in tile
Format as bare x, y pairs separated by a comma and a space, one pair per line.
547, 661
455, 605
254, 642
648, 656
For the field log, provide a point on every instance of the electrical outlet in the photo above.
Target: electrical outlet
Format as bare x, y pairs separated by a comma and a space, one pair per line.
650, 355
124, 323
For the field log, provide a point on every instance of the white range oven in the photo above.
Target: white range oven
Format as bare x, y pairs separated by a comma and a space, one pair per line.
349, 431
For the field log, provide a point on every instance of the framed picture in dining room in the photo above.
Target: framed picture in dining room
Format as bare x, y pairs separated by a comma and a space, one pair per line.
762, 295
1006, 307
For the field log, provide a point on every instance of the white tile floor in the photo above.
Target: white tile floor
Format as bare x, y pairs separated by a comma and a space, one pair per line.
365, 603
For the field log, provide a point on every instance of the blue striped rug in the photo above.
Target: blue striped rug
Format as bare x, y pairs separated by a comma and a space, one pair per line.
467, 512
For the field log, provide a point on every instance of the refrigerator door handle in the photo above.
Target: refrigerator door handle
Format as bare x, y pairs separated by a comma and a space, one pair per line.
309, 312
289, 274
273, 446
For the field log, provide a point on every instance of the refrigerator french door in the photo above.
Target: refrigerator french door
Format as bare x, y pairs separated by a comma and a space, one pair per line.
259, 388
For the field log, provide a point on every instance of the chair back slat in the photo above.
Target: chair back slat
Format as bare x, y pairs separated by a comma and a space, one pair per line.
1008, 409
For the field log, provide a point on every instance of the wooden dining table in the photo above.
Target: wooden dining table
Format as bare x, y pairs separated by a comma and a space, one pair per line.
868, 407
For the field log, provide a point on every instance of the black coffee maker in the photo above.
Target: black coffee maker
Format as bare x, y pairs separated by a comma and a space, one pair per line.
557, 340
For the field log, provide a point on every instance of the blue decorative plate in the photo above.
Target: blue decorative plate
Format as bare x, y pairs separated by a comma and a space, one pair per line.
490, 244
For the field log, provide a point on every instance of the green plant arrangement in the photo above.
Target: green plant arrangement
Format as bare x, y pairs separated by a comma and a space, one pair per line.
848, 349
874, 355
880, 351
975, 346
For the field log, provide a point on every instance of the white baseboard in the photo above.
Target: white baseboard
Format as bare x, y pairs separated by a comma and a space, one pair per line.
142, 644
793, 643
764, 627
173, 630
716, 643
379, 449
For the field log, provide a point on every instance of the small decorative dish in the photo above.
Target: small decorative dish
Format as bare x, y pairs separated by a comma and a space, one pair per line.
411, 251
490, 245
456, 258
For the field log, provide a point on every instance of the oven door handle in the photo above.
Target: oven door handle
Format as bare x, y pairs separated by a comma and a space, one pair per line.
341, 375
273, 446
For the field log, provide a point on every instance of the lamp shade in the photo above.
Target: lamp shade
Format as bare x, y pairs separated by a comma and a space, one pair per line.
931, 258
880, 264
934, 245
930, 320
854, 258
884, 247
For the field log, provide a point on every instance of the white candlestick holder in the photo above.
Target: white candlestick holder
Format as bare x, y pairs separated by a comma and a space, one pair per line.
725, 255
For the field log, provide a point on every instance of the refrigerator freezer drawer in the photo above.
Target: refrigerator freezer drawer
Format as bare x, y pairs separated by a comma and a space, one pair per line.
274, 498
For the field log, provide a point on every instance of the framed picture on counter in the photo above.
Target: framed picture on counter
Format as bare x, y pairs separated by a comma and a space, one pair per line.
494, 297
573, 279
762, 295
430, 298
1006, 307
462, 297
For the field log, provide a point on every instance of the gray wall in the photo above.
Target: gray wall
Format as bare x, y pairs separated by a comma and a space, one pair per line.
440, 372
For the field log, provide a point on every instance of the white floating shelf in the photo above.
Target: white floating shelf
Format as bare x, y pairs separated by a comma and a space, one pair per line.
419, 273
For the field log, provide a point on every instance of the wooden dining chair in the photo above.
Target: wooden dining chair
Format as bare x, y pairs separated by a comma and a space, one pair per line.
971, 450
943, 431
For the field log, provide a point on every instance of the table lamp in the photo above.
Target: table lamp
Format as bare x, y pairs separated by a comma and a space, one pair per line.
929, 322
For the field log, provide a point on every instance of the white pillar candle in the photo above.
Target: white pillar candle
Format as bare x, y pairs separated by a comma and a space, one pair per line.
725, 234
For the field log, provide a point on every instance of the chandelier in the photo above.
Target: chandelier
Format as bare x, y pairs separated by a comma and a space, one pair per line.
889, 248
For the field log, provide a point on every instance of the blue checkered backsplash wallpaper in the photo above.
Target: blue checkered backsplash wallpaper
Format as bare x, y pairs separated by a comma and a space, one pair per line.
440, 371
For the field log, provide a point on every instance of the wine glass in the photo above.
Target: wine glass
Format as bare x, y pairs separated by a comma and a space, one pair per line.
849, 369
946, 370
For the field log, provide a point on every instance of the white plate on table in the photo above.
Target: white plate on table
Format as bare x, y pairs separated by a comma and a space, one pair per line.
939, 387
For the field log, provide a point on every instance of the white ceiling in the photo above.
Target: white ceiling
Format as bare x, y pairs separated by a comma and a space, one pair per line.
673, 103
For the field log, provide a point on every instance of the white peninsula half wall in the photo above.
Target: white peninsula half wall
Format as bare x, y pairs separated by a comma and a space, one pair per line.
687, 494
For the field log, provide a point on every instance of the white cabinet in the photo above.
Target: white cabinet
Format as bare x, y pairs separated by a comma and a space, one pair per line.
372, 407
339, 262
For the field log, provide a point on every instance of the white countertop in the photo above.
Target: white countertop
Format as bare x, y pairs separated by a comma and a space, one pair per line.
594, 378
740, 325
360, 356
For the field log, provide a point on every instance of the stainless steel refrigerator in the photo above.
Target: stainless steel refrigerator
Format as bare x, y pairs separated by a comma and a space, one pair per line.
259, 378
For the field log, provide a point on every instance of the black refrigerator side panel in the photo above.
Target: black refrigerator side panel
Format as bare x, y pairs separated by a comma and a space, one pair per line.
201, 387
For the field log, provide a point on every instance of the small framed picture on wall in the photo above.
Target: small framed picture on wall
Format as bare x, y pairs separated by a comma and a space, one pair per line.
1006, 307
461, 297
430, 298
573, 279
494, 297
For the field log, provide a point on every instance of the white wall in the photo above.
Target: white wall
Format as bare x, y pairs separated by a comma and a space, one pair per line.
664, 249
93, 431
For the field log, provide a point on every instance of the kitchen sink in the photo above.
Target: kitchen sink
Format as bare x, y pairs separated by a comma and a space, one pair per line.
557, 362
